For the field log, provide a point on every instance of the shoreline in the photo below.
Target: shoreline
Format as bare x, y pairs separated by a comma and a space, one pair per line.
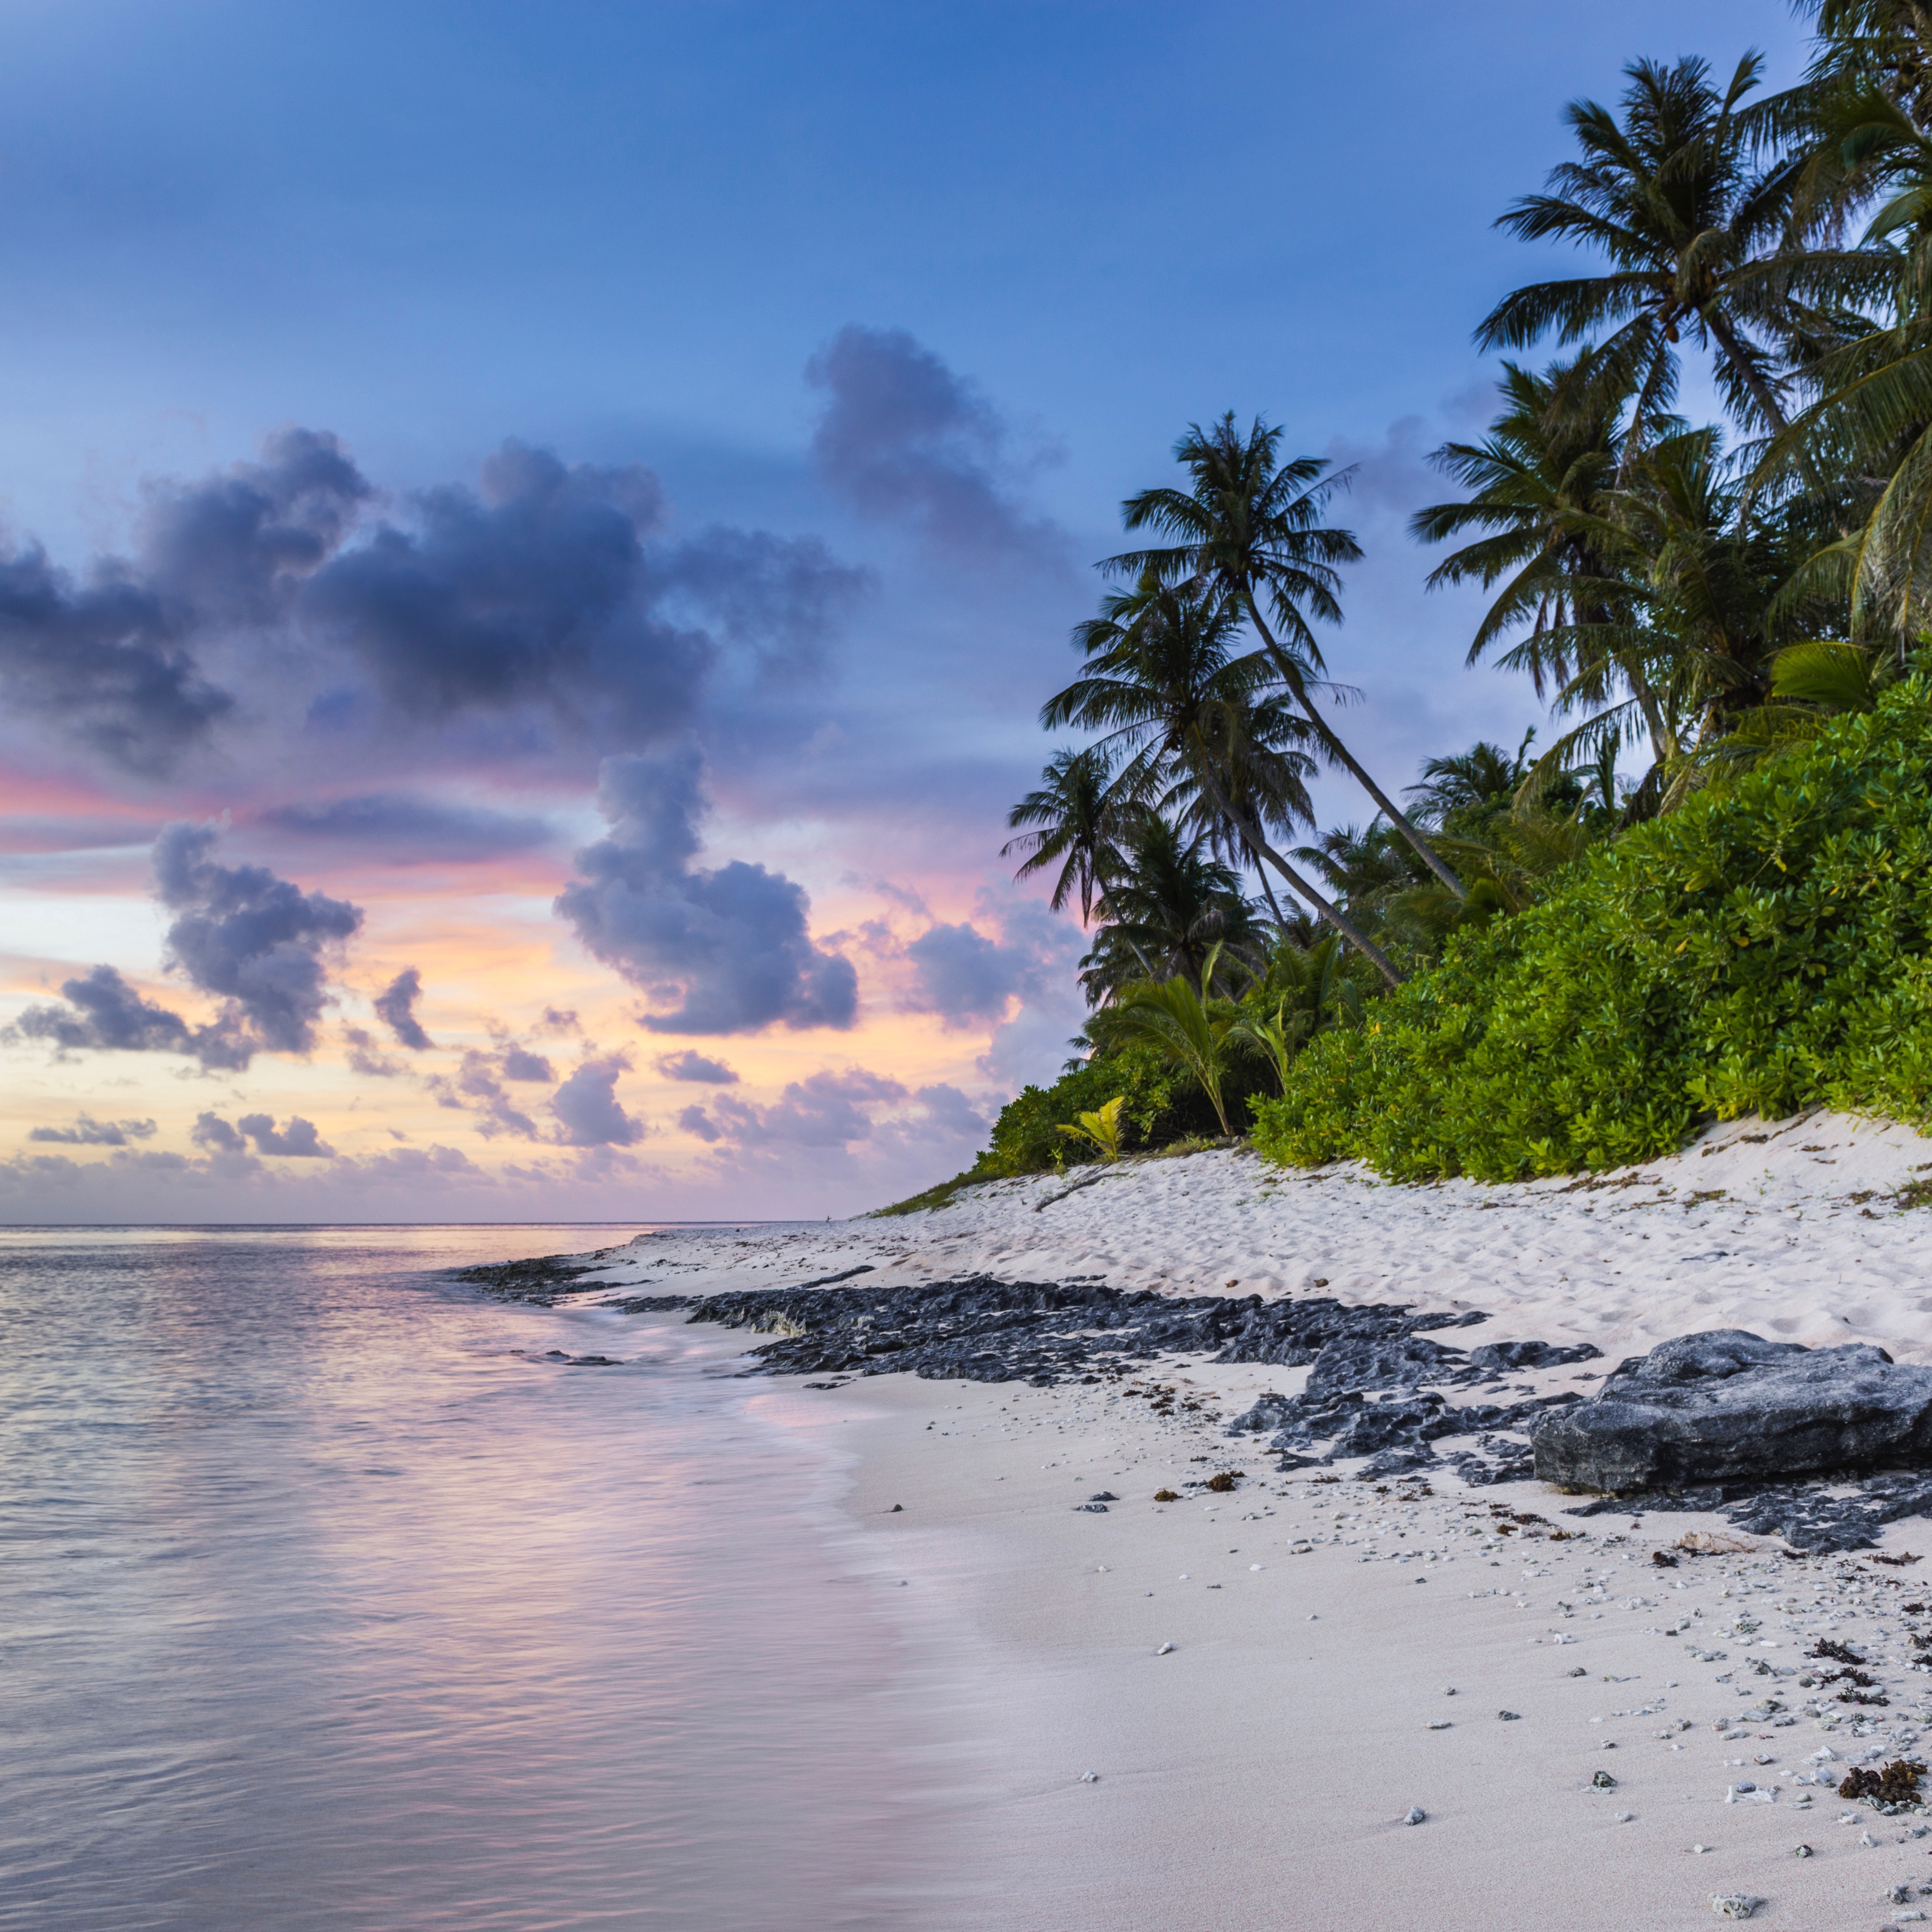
1343, 1651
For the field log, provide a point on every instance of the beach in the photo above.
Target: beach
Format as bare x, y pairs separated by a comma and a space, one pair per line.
1225, 1707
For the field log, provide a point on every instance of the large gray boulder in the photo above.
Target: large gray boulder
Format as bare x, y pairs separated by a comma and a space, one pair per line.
1726, 1404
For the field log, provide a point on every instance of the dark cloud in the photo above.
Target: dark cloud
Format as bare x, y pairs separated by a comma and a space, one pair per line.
690, 1066
963, 976
778, 597
396, 1007
104, 1012
904, 439
113, 662
298, 1141
587, 1108
87, 1131
535, 592
256, 941
406, 829
549, 600
827, 1110
731, 946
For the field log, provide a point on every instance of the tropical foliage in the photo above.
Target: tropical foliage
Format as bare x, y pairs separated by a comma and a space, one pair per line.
1696, 892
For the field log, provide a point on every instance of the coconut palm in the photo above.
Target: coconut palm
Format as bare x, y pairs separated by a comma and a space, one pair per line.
1170, 909
1694, 228
1249, 528
1191, 714
1550, 459
1080, 819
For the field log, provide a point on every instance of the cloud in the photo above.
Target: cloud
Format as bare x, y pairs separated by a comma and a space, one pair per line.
406, 829
692, 1065
549, 600
87, 1131
826, 1110
366, 1056
298, 1141
587, 1108
779, 598
534, 591
112, 661
904, 439
518, 1063
104, 1012
395, 1007
963, 976
730, 947
256, 940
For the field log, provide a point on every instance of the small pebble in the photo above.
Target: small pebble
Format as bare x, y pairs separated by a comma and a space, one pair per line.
1735, 1904
1509, 1717
1603, 1781
1801, 1851
1437, 1724
1414, 1815
1163, 1650
1625, 1817
1700, 1848
1089, 1778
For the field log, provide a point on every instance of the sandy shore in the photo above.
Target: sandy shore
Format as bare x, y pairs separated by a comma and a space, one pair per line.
1343, 1654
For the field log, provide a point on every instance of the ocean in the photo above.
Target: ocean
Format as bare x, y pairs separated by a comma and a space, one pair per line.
329, 1597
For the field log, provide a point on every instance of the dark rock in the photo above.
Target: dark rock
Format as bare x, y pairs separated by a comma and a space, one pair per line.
1726, 1404
978, 1329
1090, 1509
1498, 1358
543, 1279
1103, 1496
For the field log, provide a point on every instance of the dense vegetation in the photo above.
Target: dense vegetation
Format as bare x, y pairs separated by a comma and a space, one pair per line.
1707, 892
1764, 948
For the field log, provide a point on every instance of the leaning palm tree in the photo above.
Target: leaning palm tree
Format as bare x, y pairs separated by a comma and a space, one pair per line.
1165, 683
1694, 229
1250, 527
1079, 818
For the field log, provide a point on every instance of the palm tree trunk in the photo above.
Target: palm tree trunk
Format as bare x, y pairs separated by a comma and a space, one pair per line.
1340, 921
1390, 810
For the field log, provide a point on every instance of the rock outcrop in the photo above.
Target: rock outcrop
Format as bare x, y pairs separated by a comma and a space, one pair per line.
1726, 1406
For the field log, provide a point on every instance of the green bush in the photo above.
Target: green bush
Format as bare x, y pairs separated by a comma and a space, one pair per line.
1762, 949
1162, 1105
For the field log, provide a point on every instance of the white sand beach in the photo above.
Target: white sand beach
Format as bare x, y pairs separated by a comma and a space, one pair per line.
1344, 1654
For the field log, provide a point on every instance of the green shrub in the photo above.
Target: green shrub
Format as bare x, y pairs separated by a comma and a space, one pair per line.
1762, 949
1162, 1105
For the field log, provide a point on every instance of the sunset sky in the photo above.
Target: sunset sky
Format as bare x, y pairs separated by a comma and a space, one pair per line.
536, 538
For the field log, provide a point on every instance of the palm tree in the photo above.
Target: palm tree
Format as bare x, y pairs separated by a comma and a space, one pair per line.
1483, 780
1250, 527
1693, 229
1165, 683
1548, 461
1081, 819
1169, 910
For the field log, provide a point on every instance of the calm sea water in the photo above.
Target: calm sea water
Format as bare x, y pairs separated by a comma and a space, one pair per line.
326, 1600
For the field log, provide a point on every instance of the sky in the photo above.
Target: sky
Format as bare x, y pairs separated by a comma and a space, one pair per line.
533, 541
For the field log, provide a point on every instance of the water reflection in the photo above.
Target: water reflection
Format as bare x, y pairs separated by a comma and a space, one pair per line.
326, 1601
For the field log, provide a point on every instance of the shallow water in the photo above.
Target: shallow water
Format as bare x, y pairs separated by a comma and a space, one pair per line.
326, 1600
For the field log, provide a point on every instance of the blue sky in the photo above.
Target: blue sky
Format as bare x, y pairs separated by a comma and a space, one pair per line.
623, 234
